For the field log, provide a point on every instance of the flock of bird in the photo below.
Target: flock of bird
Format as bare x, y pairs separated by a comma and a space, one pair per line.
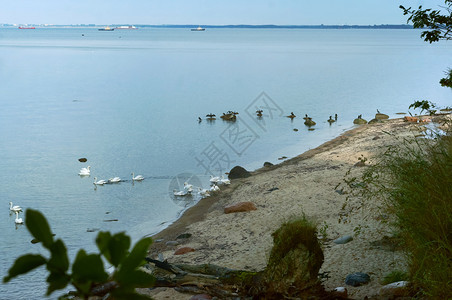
16, 209
214, 181
87, 172
231, 116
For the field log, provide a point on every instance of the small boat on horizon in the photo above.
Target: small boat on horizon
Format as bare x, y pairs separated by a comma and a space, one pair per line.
21, 27
106, 29
126, 27
198, 29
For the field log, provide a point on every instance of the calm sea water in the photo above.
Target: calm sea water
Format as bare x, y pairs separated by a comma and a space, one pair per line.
129, 101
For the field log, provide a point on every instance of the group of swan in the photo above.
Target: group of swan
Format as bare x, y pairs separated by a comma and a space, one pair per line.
214, 181
116, 179
87, 172
16, 209
219, 180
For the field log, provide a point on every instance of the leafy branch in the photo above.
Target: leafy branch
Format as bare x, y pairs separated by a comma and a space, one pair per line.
88, 270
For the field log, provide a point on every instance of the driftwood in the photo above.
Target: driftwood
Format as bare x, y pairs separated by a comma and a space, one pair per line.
207, 278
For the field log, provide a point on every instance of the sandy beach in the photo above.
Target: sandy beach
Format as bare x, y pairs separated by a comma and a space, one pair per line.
305, 184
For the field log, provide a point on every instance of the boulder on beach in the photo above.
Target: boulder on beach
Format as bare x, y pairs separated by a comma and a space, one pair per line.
357, 279
238, 172
267, 164
240, 207
183, 250
410, 119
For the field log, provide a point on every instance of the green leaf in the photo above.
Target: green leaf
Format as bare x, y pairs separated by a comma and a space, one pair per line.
138, 253
102, 240
57, 281
37, 225
24, 264
137, 279
88, 268
134, 259
118, 247
58, 260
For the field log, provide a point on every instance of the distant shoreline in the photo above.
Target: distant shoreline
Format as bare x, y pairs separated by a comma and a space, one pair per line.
270, 26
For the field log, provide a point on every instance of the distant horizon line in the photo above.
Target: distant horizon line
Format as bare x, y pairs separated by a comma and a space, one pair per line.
407, 26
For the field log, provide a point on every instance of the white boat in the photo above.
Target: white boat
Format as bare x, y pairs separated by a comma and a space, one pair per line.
126, 27
198, 29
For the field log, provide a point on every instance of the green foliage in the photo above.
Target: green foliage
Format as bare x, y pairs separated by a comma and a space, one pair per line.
439, 25
424, 105
87, 269
413, 180
394, 276
295, 260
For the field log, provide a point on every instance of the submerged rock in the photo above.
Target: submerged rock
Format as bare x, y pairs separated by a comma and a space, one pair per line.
238, 172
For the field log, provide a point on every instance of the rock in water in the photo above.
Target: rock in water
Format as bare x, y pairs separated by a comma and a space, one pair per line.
381, 116
82, 159
357, 279
309, 122
359, 121
238, 172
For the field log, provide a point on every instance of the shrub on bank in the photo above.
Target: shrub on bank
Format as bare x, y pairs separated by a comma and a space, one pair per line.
414, 179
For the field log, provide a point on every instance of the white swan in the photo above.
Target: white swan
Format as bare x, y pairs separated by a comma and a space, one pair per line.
188, 186
18, 220
100, 182
203, 192
137, 178
85, 171
15, 208
114, 180
224, 180
214, 179
214, 188
180, 193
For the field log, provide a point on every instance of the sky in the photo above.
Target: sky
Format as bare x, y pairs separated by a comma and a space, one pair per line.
208, 12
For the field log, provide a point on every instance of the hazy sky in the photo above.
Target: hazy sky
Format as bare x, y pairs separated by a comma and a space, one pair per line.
204, 12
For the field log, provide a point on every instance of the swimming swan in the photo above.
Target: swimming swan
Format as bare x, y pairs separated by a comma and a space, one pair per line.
137, 178
15, 208
214, 179
114, 180
85, 171
18, 220
180, 193
100, 182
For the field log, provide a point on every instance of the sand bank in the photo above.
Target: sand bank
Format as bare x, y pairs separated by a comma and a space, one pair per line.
304, 184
